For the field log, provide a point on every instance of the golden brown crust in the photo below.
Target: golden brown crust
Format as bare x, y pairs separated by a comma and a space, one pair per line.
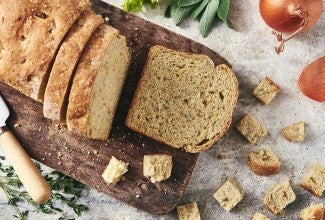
66, 60
189, 149
30, 34
84, 78
263, 165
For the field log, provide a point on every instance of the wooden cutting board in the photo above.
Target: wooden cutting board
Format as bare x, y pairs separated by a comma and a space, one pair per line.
85, 159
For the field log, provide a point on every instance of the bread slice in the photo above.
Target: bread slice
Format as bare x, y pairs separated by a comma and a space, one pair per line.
97, 83
183, 100
30, 34
229, 194
279, 196
264, 162
314, 180
58, 86
295, 132
266, 91
312, 212
251, 129
188, 211
259, 216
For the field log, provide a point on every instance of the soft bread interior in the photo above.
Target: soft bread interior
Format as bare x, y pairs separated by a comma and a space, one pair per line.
107, 88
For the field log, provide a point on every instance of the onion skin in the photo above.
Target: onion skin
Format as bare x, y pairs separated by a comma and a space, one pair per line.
312, 80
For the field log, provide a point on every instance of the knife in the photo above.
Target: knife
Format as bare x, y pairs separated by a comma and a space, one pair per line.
29, 175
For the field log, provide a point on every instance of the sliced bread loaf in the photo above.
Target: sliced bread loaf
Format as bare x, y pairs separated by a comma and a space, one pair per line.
58, 86
30, 34
183, 100
97, 83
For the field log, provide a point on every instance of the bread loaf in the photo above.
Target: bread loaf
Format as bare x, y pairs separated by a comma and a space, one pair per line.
58, 86
97, 83
183, 100
30, 34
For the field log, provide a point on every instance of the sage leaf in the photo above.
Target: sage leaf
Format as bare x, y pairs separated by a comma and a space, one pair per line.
183, 3
179, 13
197, 11
223, 11
167, 12
208, 17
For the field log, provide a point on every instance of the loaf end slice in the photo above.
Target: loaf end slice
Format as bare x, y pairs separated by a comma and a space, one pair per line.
98, 83
279, 196
264, 162
30, 35
183, 100
59, 83
314, 180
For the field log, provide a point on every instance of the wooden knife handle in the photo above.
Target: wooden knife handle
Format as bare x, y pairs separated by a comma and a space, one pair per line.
29, 175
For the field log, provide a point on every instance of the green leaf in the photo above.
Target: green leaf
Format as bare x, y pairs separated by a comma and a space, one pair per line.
223, 11
179, 13
183, 3
136, 5
197, 11
167, 12
208, 17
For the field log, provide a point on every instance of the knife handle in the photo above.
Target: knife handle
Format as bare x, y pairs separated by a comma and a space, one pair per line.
29, 175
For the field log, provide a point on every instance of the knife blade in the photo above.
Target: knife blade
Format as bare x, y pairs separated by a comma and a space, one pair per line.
29, 175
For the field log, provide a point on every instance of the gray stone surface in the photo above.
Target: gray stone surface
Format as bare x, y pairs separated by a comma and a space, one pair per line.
249, 48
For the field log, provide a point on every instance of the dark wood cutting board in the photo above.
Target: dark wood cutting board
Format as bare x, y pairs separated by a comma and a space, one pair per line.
85, 159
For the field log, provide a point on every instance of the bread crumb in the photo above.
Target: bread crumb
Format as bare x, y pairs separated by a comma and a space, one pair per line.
114, 170
157, 167
266, 91
229, 194
16, 125
222, 157
188, 211
106, 19
279, 196
251, 129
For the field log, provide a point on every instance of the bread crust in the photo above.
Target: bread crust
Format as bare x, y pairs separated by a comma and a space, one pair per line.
57, 90
30, 34
189, 149
84, 79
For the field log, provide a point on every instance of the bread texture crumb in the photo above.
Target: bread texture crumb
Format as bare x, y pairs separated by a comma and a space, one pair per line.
229, 194
312, 212
295, 132
115, 170
251, 129
266, 91
157, 167
279, 196
188, 211
264, 162
314, 180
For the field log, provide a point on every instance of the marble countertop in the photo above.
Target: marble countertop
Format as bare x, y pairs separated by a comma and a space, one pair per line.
249, 48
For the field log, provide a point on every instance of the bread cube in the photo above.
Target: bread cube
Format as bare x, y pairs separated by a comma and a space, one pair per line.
312, 212
157, 167
229, 194
259, 216
264, 162
114, 170
279, 196
189, 211
251, 129
295, 132
266, 91
314, 180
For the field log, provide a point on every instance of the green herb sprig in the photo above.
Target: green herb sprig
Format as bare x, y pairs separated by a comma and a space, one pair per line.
65, 190
206, 11
136, 5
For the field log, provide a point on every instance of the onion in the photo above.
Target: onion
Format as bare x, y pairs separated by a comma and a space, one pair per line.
312, 80
290, 17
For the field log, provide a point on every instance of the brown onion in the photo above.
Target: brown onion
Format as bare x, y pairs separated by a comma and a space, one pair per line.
290, 17
312, 80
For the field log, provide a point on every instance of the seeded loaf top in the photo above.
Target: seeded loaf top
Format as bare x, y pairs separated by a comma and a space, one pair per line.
183, 100
30, 34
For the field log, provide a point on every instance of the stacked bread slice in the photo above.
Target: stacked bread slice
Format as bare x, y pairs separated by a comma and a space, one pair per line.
60, 53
